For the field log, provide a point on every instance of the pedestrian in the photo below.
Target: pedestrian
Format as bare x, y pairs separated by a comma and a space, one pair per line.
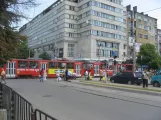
45, 75
58, 75
104, 76
101, 75
42, 75
86, 74
3, 76
145, 79
66, 74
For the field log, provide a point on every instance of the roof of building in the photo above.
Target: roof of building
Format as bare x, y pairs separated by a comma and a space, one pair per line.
42, 13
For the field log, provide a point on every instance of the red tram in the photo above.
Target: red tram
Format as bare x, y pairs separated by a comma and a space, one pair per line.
31, 67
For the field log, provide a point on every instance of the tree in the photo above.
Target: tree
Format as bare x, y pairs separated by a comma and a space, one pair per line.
23, 52
150, 56
11, 12
45, 56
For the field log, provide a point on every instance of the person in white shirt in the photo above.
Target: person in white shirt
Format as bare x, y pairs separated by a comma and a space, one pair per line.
45, 74
86, 75
58, 75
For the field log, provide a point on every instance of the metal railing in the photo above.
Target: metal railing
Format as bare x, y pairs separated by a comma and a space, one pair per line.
18, 108
40, 115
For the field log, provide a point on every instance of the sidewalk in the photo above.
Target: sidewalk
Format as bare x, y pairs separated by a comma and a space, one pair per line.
123, 87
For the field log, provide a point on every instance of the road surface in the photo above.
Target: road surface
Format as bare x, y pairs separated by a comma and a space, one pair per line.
66, 102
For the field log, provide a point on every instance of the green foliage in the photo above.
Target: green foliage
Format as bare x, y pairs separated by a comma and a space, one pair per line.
150, 56
11, 12
23, 52
45, 56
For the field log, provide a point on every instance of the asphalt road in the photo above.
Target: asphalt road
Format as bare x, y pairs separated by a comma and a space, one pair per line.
70, 103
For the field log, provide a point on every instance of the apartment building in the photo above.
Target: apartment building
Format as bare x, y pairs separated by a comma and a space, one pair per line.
159, 41
142, 27
79, 29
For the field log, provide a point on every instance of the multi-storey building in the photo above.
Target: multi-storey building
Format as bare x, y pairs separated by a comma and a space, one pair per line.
159, 41
141, 27
80, 29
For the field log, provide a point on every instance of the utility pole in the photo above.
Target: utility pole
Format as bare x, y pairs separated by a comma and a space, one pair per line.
99, 52
134, 37
133, 31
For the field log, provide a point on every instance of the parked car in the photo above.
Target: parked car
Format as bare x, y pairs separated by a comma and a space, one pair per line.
156, 80
127, 78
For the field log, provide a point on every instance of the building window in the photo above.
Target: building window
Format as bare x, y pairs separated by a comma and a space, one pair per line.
124, 54
124, 46
71, 25
139, 17
72, 8
139, 25
146, 37
140, 35
102, 51
70, 50
107, 35
145, 19
71, 35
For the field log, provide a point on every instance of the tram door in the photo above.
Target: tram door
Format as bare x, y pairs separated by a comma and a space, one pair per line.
96, 70
78, 69
43, 65
11, 70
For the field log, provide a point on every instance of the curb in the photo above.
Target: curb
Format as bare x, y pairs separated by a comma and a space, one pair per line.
121, 89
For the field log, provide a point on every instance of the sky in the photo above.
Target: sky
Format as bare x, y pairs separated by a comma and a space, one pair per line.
143, 5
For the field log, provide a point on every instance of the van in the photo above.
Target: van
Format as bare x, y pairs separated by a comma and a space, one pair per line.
156, 80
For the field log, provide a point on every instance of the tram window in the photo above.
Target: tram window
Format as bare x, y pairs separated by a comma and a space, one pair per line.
22, 64
33, 64
103, 66
52, 65
87, 66
61, 65
70, 65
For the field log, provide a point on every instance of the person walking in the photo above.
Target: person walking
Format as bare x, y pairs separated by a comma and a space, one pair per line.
3, 75
42, 75
58, 75
101, 75
45, 75
86, 74
145, 79
66, 74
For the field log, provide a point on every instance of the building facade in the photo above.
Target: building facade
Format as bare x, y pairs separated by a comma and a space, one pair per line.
159, 41
141, 29
80, 29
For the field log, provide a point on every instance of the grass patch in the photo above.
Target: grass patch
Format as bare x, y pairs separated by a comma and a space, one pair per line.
120, 86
